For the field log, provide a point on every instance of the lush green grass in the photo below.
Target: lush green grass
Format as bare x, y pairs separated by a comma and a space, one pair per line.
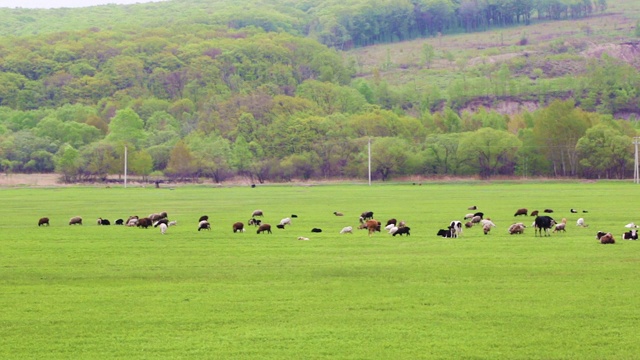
112, 292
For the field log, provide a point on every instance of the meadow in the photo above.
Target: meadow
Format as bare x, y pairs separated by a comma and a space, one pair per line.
107, 292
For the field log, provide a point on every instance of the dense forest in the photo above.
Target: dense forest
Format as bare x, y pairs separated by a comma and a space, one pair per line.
266, 90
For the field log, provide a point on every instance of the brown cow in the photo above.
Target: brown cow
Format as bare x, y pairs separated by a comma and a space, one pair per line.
43, 221
238, 227
144, 223
264, 228
372, 226
521, 212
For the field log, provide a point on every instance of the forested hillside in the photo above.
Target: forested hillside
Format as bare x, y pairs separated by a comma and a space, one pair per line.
266, 90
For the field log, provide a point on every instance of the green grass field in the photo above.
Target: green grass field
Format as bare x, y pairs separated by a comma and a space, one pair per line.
94, 292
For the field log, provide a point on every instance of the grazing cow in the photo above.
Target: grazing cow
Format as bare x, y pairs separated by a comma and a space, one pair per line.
264, 228
285, 221
391, 221
372, 226
573, 211
132, 220
393, 229
402, 223
486, 228
543, 223
522, 211
457, 228
561, 226
468, 216
204, 225
303, 238
158, 216
367, 215
316, 230
203, 218
161, 221
173, 223
468, 224
517, 228
403, 230
448, 233
294, 215
584, 211
476, 219
548, 211
581, 223
480, 214
238, 227
163, 228
472, 207
144, 223
76, 220
254, 222
338, 213
280, 226
630, 235
347, 230
119, 222
534, 213
43, 221
257, 213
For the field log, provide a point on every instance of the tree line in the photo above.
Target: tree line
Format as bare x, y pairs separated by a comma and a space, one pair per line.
339, 24
201, 100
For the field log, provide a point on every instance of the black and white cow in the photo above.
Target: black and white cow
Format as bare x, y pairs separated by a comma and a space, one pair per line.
543, 223
630, 235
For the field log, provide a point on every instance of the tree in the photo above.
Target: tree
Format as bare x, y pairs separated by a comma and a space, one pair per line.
126, 127
141, 163
211, 154
557, 130
388, 156
98, 160
428, 55
67, 161
490, 151
181, 163
605, 152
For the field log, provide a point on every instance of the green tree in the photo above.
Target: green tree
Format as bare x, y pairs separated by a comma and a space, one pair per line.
211, 154
126, 127
428, 55
68, 162
181, 162
141, 163
605, 152
490, 151
388, 156
557, 130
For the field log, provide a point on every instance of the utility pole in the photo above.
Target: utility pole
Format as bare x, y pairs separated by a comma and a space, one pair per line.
370, 161
636, 172
125, 166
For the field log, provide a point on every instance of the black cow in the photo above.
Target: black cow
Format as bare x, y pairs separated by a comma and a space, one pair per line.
402, 230
280, 226
316, 230
543, 223
448, 233
119, 222
367, 215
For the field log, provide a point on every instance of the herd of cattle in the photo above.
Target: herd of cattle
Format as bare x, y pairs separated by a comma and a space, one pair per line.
543, 224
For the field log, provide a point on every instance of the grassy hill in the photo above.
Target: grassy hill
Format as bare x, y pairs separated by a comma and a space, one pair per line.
542, 57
